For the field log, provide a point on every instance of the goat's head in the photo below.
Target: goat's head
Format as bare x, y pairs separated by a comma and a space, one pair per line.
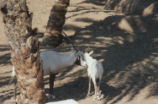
79, 55
84, 57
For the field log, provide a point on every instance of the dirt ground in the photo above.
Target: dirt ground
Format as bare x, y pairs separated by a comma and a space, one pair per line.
127, 45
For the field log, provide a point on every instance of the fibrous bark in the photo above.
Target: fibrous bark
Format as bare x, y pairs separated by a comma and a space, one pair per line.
53, 34
24, 51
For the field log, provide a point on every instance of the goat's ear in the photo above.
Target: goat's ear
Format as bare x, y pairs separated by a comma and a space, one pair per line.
91, 52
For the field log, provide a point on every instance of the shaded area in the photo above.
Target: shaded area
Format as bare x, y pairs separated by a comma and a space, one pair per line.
4, 48
132, 6
75, 86
4, 54
130, 58
128, 45
129, 53
72, 90
95, 2
5, 59
9, 94
4, 83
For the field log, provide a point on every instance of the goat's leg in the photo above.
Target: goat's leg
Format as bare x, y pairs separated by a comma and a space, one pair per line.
98, 91
101, 96
51, 84
96, 83
95, 89
89, 86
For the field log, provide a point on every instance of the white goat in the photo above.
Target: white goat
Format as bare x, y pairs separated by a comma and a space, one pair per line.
95, 72
68, 101
53, 63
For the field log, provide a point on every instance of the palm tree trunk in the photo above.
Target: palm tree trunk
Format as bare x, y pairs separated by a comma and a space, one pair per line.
24, 52
53, 35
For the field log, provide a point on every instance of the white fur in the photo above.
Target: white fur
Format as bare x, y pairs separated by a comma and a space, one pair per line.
68, 101
94, 68
54, 62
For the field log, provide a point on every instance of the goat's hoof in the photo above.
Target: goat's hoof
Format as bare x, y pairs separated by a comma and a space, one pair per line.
94, 98
97, 98
88, 95
101, 96
51, 96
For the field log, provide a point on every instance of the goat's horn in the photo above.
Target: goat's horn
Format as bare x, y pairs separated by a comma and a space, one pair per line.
88, 48
65, 35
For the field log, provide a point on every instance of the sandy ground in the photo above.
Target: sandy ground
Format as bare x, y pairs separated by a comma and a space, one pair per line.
127, 45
